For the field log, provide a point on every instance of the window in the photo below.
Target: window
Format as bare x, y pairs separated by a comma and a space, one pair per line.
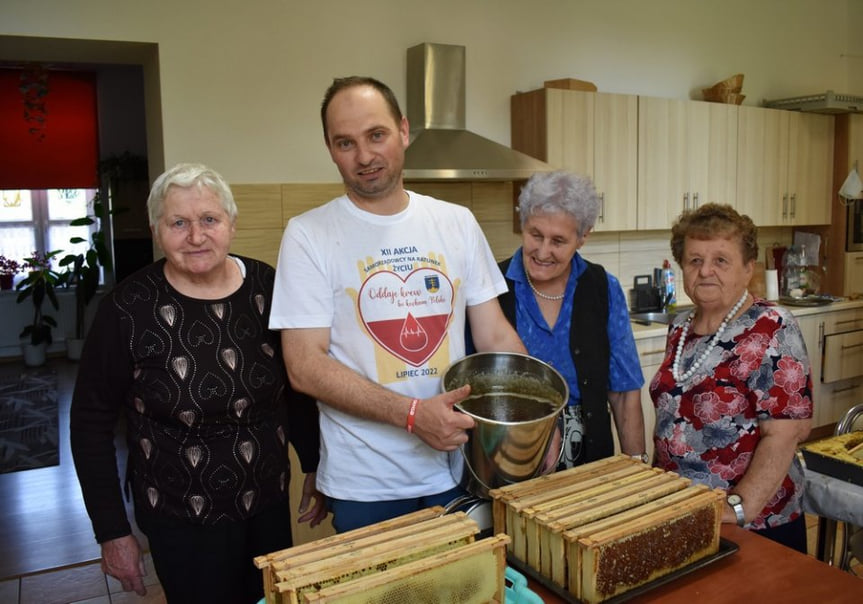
38, 220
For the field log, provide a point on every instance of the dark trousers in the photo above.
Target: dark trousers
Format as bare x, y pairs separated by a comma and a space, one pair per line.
792, 534
213, 564
349, 515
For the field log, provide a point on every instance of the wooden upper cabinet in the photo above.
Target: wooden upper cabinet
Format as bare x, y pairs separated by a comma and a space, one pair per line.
663, 185
855, 144
589, 133
687, 156
853, 273
784, 166
615, 170
651, 158
762, 164
713, 152
810, 168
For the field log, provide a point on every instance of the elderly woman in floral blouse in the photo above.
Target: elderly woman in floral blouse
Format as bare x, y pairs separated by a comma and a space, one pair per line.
733, 396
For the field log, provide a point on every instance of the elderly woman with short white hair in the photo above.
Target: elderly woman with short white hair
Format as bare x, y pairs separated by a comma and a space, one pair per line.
182, 348
572, 314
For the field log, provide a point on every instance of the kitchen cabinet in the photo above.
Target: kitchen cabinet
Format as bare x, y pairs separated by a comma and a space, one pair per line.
687, 156
810, 176
847, 350
589, 133
811, 326
784, 166
837, 375
651, 158
853, 273
651, 351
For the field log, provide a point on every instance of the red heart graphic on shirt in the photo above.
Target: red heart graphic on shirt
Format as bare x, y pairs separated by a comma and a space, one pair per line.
409, 316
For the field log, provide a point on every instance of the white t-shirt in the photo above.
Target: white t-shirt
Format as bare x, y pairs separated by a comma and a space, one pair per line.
393, 292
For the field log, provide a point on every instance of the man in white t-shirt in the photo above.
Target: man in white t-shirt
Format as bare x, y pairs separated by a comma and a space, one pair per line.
372, 293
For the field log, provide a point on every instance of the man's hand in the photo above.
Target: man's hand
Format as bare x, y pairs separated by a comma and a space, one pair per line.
311, 494
121, 558
439, 425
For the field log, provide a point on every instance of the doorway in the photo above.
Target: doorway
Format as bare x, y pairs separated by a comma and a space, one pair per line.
130, 121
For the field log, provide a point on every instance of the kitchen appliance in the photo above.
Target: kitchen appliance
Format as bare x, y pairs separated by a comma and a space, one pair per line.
515, 401
644, 296
441, 147
854, 239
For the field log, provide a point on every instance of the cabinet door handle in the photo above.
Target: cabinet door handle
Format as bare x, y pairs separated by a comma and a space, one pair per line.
821, 335
650, 352
793, 205
602, 207
850, 346
785, 206
695, 201
686, 200
848, 321
841, 390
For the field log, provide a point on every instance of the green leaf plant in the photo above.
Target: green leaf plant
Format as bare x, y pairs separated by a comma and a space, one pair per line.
82, 271
40, 284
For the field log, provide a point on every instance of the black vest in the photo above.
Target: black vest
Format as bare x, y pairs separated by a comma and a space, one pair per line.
588, 344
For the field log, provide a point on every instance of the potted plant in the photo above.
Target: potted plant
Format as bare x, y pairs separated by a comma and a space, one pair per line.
83, 271
39, 284
8, 269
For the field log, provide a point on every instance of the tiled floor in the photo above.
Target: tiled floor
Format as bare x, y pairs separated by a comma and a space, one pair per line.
44, 526
79, 584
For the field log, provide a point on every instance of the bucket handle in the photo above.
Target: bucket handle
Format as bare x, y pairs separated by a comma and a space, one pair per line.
459, 501
559, 428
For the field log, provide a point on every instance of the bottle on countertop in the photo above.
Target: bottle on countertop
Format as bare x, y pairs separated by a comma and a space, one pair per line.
669, 292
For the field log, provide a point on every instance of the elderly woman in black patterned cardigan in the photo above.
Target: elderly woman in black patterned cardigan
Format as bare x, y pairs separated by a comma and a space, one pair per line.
182, 347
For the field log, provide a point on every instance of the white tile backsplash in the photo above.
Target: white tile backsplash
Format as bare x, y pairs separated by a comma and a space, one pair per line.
627, 254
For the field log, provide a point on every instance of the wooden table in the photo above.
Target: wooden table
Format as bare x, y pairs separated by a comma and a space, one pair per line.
760, 571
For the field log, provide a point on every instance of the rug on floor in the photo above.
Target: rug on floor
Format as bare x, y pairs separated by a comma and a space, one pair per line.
28, 419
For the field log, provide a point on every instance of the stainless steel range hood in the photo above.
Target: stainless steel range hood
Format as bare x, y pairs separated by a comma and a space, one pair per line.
441, 148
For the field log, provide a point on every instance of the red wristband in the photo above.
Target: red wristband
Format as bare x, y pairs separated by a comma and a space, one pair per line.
412, 414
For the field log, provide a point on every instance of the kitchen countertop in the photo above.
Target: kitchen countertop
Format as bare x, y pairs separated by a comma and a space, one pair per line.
658, 329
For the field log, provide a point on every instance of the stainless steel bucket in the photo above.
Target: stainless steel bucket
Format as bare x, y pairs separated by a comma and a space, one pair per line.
515, 401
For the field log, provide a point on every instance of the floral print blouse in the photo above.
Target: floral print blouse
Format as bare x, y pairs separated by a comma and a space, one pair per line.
708, 427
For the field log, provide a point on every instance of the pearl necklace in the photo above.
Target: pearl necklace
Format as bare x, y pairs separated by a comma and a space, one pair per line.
675, 367
540, 294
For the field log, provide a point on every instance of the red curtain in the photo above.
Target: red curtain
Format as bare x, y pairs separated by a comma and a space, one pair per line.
48, 129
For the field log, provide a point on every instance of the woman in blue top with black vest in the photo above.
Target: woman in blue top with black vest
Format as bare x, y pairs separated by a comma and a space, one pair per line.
572, 314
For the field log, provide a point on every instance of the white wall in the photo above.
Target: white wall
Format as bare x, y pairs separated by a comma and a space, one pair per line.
16, 316
240, 90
